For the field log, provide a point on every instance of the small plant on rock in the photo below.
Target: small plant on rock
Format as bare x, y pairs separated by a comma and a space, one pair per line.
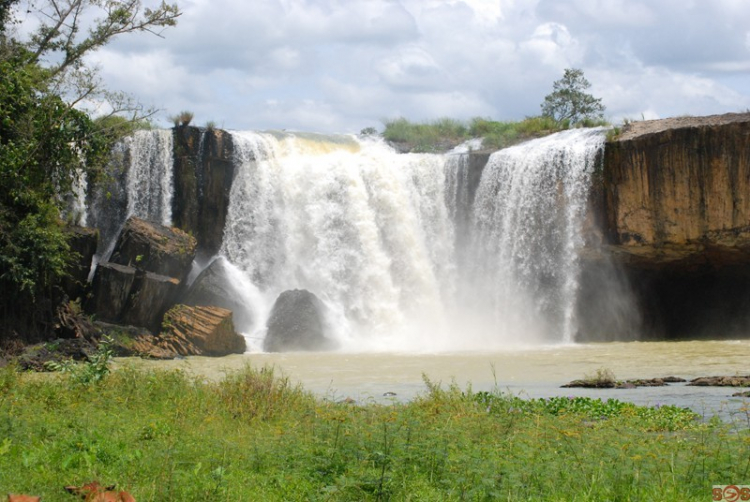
182, 119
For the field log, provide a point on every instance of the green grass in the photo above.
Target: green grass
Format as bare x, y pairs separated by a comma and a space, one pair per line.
443, 134
165, 436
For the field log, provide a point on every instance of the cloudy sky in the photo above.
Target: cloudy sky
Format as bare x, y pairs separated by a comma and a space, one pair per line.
342, 65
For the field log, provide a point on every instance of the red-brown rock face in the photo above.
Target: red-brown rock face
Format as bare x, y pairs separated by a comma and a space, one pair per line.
677, 219
679, 189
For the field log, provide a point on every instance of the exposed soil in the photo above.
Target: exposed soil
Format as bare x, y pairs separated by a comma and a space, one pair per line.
641, 128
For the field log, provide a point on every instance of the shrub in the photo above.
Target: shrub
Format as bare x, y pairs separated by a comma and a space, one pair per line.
182, 119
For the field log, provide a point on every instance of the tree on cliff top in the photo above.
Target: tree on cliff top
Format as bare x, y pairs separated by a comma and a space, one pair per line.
569, 103
46, 140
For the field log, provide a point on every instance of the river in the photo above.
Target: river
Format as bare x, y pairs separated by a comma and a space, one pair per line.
537, 371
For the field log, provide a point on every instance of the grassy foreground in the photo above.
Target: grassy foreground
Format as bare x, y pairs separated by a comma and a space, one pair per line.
168, 436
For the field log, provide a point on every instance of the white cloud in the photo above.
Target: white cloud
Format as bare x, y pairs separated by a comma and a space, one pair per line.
340, 65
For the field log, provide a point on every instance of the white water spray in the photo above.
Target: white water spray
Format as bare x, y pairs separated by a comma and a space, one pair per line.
149, 177
391, 242
364, 228
528, 214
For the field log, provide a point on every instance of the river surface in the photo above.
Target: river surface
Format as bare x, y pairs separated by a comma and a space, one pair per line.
527, 372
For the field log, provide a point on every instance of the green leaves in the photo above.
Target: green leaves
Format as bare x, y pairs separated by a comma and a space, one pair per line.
569, 103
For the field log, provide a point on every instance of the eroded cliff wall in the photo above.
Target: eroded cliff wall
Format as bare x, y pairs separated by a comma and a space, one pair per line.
203, 173
680, 187
677, 220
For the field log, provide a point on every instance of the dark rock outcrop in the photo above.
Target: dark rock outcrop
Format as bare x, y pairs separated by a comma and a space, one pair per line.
154, 248
126, 295
38, 357
296, 323
721, 381
203, 174
626, 384
213, 287
83, 243
133, 341
110, 291
144, 277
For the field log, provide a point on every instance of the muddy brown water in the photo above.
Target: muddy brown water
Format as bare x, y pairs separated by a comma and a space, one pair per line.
528, 372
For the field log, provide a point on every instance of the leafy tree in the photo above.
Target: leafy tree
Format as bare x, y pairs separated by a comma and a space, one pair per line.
47, 141
569, 103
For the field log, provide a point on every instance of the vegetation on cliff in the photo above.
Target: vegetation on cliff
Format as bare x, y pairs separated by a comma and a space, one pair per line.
567, 106
164, 435
48, 142
568, 101
443, 134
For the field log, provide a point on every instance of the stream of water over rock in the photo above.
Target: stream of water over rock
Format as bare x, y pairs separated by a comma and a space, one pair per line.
376, 236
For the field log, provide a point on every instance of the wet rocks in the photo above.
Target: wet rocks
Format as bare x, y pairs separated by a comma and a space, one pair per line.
721, 381
38, 357
144, 276
213, 288
203, 174
206, 331
626, 384
296, 323
154, 248
83, 243
125, 295
675, 205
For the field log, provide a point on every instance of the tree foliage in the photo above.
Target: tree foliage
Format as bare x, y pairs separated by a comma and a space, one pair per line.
569, 103
47, 141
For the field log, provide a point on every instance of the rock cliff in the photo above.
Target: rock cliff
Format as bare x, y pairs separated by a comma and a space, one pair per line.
676, 213
679, 189
203, 173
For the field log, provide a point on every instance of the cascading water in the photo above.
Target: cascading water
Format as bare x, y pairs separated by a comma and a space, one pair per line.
528, 217
365, 229
150, 175
138, 182
392, 243
389, 243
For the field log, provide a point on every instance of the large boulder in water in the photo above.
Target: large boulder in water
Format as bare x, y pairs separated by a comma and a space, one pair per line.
200, 331
214, 286
296, 323
155, 248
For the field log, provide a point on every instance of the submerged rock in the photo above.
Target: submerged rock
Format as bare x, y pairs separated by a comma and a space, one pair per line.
296, 323
626, 384
721, 381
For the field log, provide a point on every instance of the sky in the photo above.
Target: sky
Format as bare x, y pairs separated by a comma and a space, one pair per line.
338, 66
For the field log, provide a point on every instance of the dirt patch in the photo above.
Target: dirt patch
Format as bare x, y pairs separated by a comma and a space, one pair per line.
633, 130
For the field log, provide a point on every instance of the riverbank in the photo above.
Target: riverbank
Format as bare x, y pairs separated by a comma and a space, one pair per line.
532, 371
252, 435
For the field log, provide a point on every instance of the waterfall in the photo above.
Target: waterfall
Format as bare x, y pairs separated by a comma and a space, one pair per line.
137, 182
395, 248
406, 250
364, 228
150, 175
528, 217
